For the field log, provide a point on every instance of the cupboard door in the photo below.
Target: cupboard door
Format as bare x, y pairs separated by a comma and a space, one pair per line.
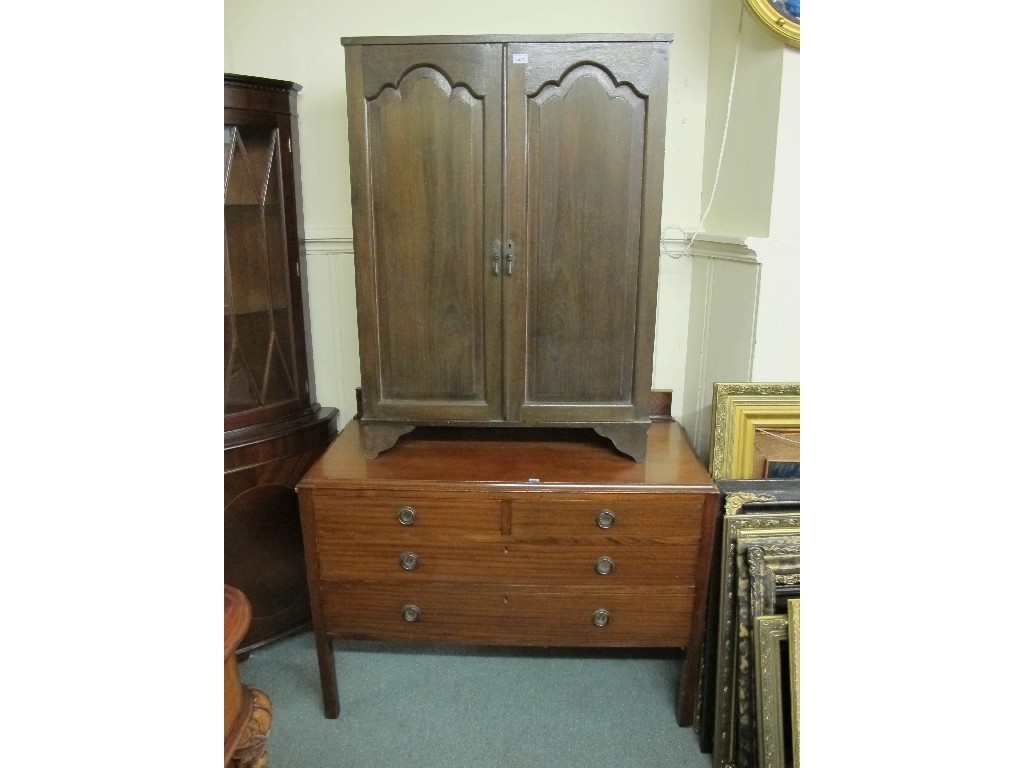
585, 167
425, 126
264, 371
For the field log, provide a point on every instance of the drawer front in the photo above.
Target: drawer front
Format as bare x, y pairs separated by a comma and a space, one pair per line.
470, 614
676, 516
513, 562
365, 516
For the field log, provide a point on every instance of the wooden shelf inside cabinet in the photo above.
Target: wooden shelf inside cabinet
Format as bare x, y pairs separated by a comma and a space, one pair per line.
273, 429
509, 537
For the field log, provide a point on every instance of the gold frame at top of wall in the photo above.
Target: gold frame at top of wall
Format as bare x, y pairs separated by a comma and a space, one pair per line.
784, 27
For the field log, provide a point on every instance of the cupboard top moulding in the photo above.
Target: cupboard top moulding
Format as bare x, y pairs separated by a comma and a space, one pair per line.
506, 210
590, 37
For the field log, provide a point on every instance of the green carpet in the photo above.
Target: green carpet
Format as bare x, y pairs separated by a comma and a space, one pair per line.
449, 707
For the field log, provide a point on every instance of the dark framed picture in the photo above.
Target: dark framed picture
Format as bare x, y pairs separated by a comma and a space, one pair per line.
738, 497
781, 16
779, 470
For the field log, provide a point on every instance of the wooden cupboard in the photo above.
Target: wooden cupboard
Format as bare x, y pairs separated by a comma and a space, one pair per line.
273, 431
506, 199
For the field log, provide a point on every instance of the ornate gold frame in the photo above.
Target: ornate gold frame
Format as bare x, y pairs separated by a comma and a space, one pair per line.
740, 410
769, 671
764, 560
794, 675
768, 12
738, 497
731, 623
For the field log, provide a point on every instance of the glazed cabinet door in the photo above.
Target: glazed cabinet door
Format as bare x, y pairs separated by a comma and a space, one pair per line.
585, 166
425, 134
265, 374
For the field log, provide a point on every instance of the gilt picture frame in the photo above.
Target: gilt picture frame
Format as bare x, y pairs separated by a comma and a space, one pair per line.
725, 701
736, 497
765, 560
754, 424
781, 16
794, 676
771, 666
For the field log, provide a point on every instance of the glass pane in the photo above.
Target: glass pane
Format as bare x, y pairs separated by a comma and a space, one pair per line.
259, 365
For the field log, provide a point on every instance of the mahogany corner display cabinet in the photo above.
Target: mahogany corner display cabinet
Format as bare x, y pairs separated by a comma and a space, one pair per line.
515, 537
506, 202
273, 431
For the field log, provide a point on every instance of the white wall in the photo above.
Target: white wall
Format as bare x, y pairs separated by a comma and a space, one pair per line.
777, 335
298, 40
742, 324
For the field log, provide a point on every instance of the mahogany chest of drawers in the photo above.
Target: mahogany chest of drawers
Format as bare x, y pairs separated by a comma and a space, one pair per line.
495, 537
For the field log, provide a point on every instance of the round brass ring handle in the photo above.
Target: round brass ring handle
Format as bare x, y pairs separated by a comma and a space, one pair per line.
604, 565
410, 613
408, 560
601, 617
407, 515
605, 518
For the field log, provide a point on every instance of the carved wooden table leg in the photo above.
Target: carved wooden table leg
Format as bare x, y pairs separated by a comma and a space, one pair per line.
251, 752
247, 710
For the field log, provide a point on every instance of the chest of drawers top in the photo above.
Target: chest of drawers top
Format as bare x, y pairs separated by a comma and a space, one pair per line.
446, 459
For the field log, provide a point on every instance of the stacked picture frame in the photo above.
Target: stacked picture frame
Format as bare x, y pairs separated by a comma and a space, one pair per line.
777, 680
747, 703
756, 431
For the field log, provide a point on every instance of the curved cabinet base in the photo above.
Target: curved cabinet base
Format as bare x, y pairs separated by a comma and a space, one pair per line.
263, 553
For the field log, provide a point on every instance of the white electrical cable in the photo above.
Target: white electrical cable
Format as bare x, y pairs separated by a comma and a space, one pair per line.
721, 150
